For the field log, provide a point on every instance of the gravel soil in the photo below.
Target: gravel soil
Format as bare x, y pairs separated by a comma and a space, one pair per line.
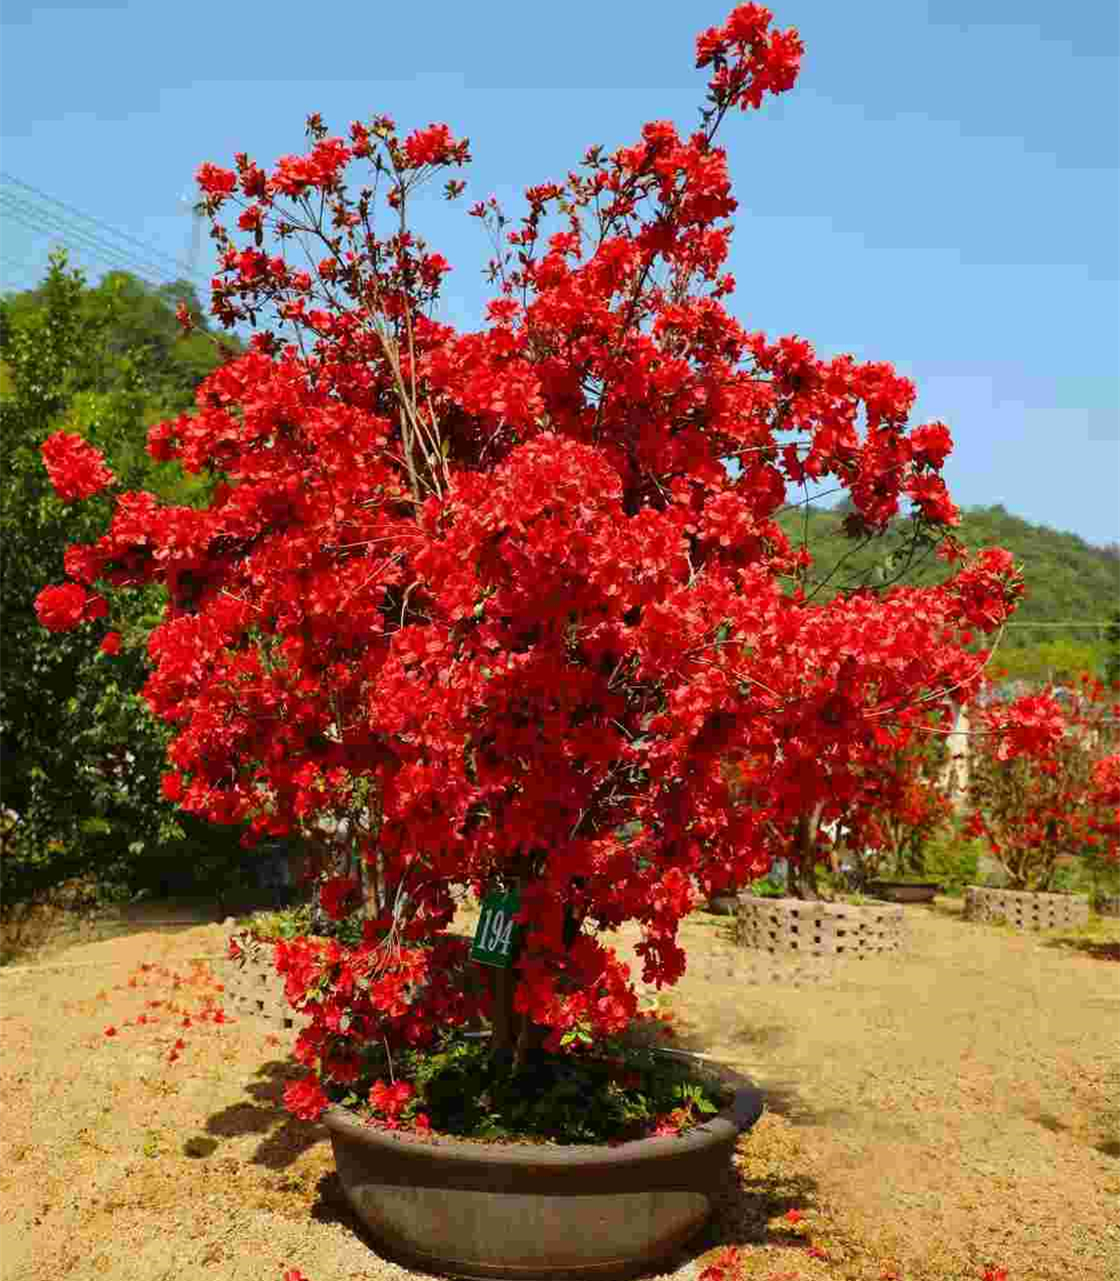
928, 1115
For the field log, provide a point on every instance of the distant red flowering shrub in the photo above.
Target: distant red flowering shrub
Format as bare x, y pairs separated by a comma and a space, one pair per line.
1041, 781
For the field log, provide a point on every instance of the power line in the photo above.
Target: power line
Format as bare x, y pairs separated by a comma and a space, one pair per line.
44, 222
41, 223
91, 241
180, 267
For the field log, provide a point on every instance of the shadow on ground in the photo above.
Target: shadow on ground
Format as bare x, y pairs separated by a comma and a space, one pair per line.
781, 1096
744, 1206
33, 934
1098, 949
284, 1138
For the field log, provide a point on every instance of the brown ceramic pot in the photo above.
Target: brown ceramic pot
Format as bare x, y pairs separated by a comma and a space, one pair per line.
532, 1211
904, 891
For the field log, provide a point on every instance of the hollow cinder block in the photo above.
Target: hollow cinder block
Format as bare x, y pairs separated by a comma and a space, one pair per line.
254, 990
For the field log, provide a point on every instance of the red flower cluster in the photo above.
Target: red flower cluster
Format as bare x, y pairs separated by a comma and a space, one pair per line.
76, 468
434, 146
61, 609
749, 60
305, 1098
390, 1100
500, 589
337, 896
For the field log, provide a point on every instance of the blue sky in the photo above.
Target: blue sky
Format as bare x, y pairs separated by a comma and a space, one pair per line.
940, 190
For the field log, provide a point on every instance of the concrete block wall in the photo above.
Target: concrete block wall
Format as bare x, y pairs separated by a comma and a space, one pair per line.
253, 989
1026, 910
785, 926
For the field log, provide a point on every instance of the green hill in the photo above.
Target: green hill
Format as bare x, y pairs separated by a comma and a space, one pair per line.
1068, 581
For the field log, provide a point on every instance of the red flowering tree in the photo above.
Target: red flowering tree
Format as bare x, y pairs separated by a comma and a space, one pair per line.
1042, 781
899, 804
494, 597
1104, 825
880, 805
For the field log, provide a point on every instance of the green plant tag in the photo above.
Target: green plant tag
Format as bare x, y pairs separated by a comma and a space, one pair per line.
497, 938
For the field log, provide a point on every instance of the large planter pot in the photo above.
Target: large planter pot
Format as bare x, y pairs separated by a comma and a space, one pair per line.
812, 928
534, 1211
1026, 909
905, 891
723, 905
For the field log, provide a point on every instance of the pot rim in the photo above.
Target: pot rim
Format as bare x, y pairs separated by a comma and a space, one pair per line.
737, 1118
907, 885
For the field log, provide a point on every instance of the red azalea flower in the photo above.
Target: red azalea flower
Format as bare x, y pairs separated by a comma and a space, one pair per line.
338, 896
111, 643
62, 608
76, 468
305, 1099
390, 1099
171, 785
726, 1261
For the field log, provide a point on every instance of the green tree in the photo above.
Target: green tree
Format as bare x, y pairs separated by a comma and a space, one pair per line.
1068, 580
1060, 660
1112, 640
82, 756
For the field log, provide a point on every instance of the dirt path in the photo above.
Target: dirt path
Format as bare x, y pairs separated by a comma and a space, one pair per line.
927, 1115
962, 1102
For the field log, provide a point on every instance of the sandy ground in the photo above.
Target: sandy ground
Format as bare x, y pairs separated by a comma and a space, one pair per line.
928, 1115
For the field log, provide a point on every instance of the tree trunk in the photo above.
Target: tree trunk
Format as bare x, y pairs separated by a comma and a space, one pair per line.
371, 887
515, 1040
503, 1037
803, 868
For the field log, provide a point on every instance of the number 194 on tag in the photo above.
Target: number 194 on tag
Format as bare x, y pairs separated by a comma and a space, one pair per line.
497, 937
